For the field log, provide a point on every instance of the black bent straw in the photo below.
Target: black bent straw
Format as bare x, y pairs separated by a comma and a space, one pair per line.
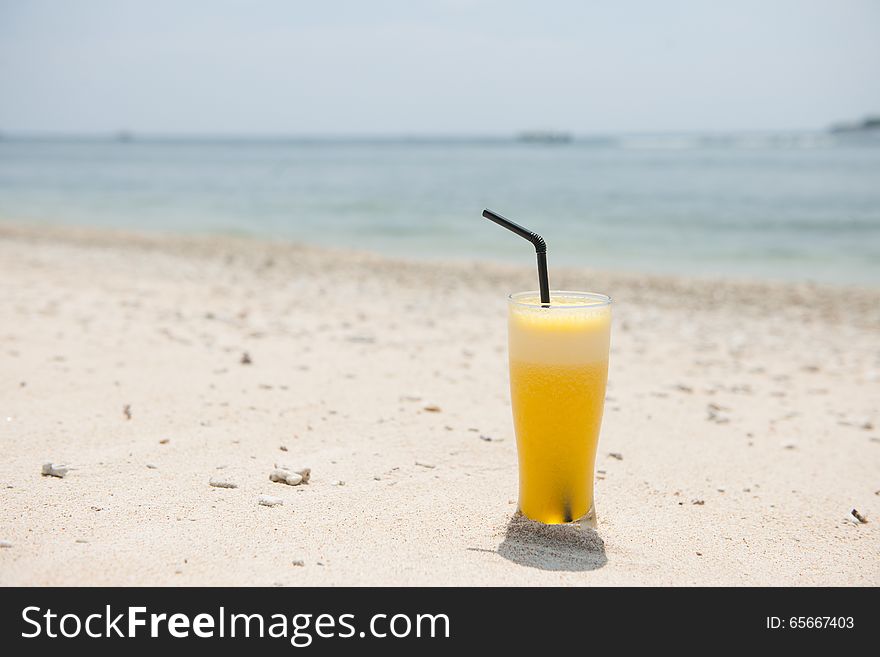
540, 249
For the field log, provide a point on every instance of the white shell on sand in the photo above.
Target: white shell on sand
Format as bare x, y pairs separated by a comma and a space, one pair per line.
54, 470
303, 472
286, 477
269, 500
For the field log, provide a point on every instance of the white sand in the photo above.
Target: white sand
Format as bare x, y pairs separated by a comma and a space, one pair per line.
347, 351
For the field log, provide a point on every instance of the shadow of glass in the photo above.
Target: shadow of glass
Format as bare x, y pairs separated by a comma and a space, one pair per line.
552, 547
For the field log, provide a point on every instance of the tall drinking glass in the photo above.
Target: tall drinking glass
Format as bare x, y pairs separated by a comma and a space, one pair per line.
558, 371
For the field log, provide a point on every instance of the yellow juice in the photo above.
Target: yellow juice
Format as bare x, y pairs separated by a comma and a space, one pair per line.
558, 371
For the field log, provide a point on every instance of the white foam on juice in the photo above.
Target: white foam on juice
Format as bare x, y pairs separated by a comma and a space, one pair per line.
574, 330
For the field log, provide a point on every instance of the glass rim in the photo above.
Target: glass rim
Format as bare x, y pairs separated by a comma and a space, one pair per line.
592, 299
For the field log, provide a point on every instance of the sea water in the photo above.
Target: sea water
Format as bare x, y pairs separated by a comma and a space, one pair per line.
792, 206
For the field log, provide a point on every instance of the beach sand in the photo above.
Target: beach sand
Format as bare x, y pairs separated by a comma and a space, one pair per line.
743, 419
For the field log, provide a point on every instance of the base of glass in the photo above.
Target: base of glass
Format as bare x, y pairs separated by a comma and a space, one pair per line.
588, 520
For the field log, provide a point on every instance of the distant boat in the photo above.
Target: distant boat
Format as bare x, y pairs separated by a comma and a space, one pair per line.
124, 136
544, 137
870, 125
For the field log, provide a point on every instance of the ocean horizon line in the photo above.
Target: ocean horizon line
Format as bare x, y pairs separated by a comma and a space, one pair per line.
128, 134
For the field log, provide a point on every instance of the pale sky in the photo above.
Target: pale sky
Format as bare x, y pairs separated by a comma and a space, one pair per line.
334, 67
